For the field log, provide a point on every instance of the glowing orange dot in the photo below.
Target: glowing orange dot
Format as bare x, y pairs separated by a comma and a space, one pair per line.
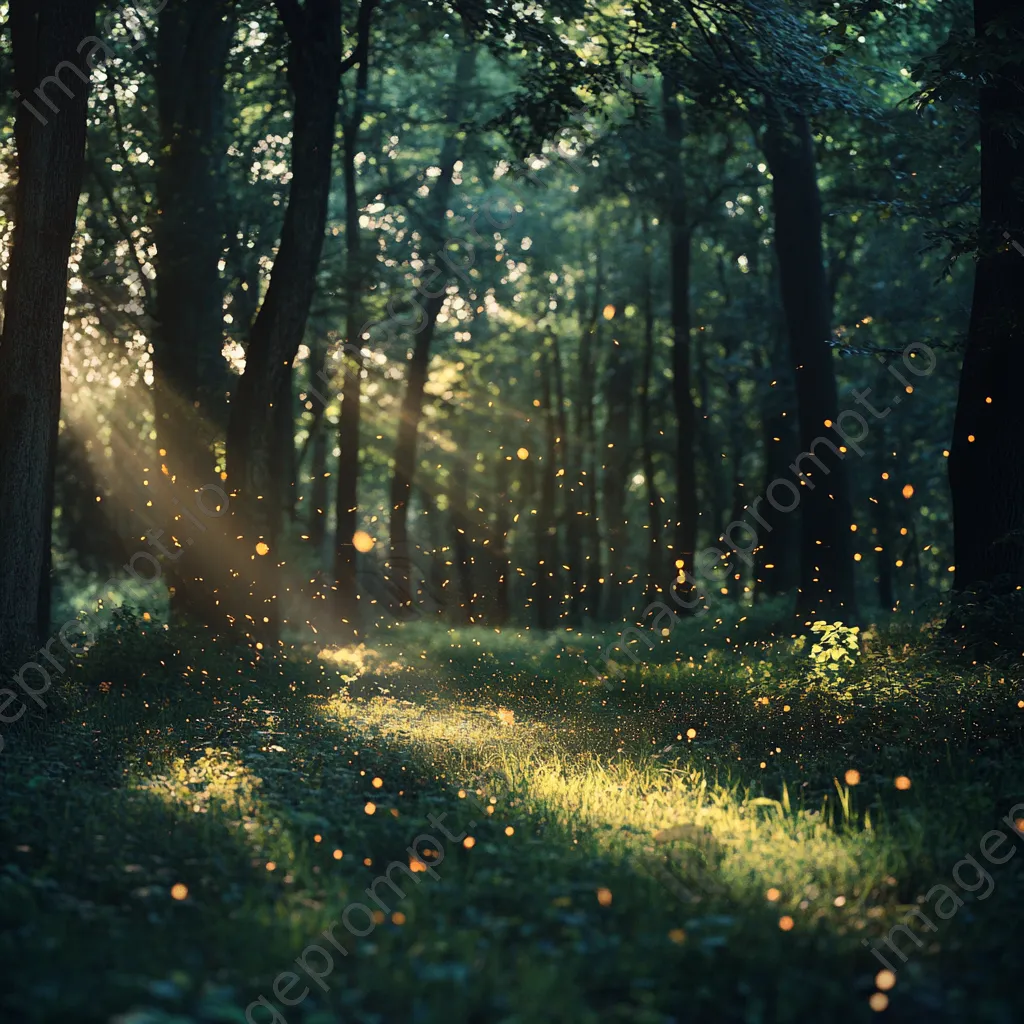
271, 865
609, 312
988, 401
908, 490
885, 980
878, 1001
828, 423
885, 476
691, 734
853, 527
677, 935
523, 454
970, 437
509, 830
362, 541
852, 777
338, 854
902, 782
370, 808
179, 891
786, 923
377, 783
469, 842
772, 895
604, 897
398, 917
262, 548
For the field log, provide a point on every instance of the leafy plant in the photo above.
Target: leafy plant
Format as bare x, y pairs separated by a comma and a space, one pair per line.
834, 654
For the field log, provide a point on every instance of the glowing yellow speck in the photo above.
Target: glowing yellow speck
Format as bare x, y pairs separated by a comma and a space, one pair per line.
362, 541
523, 454
179, 891
262, 548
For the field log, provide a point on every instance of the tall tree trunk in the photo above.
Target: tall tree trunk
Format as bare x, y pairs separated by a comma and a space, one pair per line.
190, 374
419, 362
503, 564
256, 454
547, 522
656, 573
986, 464
617, 451
349, 424
685, 540
318, 492
580, 526
826, 564
458, 513
777, 568
51, 159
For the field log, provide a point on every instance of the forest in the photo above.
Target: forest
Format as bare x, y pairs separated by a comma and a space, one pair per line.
511, 512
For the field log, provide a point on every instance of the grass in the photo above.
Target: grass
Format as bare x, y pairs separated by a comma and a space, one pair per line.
682, 844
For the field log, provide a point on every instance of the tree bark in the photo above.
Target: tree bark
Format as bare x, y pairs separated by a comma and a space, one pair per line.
547, 522
617, 452
826, 563
51, 159
656, 573
502, 524
986, 463
685, 539
190, 377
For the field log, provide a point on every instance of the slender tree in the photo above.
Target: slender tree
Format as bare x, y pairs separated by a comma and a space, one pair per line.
347, 496
826, 563
257, 437
419, 362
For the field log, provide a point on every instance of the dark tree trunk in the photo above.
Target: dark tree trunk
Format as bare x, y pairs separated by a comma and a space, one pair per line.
986, 464
419, 363
458, 498
777, 564
685, 539
656, 573
503, 564
349, 424
190, 374
884, 493
318, 492
579, 526
589, 573
256, 447
51, 159
826, 563
547, 522
617, 451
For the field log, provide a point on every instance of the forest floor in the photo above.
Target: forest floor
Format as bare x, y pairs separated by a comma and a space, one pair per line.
721, 837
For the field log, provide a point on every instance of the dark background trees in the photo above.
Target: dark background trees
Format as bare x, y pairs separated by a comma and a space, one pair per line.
471, 324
